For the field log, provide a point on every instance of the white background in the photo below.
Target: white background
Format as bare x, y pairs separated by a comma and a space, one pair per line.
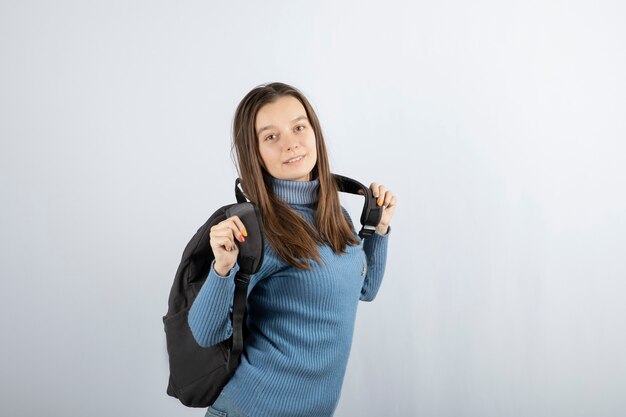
500, 126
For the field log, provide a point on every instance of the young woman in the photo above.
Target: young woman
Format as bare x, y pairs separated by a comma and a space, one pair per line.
302, 302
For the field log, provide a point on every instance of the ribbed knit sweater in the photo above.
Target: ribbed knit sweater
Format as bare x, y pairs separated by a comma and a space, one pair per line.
301, 322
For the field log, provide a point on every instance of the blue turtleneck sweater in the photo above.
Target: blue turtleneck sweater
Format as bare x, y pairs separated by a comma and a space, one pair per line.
301, 322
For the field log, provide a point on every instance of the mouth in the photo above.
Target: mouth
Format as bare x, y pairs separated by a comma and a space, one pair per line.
294, 160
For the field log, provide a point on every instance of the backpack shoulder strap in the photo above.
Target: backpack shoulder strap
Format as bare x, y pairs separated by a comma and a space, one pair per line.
250, 259
371, 213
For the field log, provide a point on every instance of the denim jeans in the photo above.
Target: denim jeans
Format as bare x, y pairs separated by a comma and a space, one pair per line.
223, 407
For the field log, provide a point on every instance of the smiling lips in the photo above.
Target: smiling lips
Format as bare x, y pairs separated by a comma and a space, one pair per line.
295, 159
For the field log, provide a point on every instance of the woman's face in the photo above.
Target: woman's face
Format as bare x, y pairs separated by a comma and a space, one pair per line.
284, 133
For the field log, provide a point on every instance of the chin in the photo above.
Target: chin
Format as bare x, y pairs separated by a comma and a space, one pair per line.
297, 176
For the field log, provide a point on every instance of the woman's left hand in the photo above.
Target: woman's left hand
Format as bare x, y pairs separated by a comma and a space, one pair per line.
388, 201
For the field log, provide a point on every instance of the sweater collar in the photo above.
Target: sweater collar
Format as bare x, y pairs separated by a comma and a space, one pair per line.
296, 192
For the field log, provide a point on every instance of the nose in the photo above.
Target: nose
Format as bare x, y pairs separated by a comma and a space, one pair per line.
291, 143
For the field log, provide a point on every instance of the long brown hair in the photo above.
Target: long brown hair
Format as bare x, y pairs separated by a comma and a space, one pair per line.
288, 233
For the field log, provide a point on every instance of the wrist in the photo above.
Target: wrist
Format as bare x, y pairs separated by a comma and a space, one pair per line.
382, 230
221, 270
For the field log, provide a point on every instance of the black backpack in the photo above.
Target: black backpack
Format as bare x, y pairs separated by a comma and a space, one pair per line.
198, 374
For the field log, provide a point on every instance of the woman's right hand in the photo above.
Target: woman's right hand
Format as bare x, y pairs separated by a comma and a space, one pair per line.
225, 249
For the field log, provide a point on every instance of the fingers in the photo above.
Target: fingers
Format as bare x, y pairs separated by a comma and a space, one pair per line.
237, 221
235, 224
224, 233
228, 243
374, 187
383, 195
378, 191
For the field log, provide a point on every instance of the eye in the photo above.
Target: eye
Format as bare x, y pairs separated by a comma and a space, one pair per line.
267, 137
301, 126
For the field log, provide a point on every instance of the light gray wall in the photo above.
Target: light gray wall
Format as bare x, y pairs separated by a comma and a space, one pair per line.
499, 125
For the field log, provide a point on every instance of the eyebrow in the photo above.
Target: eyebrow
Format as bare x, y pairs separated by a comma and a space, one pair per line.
269, 126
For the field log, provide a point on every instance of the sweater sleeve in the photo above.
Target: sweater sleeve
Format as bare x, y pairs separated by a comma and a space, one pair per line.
209, 316
375, 247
